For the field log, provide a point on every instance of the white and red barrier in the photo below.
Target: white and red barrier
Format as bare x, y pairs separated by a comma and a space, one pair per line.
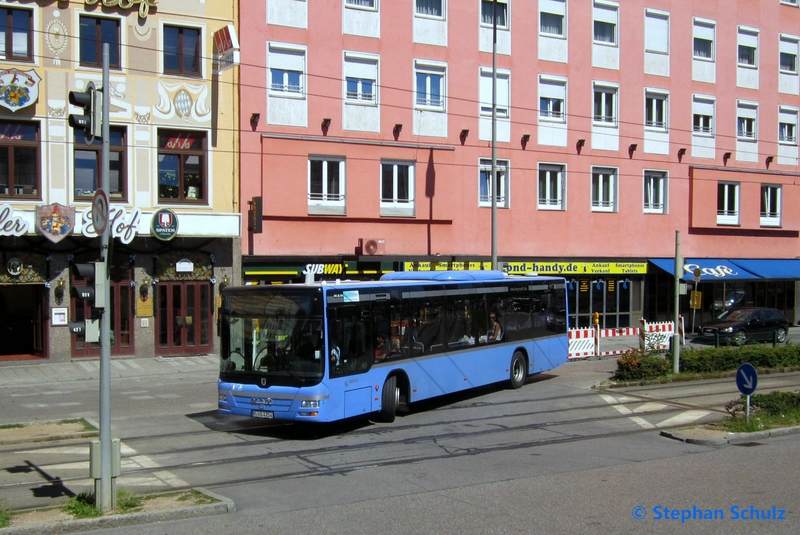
585, 342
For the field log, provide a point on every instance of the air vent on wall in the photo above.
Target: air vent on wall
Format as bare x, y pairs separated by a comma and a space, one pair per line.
373, 246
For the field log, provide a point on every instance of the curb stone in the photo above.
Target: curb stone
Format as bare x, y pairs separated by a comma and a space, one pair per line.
223, 506
734, 438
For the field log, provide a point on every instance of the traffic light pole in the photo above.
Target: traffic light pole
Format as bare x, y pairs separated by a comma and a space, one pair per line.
104, 499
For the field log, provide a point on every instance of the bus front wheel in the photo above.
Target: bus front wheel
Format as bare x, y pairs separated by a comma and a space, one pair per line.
390, 399
519, 370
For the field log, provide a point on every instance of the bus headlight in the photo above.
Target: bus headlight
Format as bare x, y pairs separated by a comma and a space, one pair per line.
309, 404
222, 398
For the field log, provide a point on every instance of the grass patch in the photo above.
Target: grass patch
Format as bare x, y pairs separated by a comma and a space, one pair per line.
10, 426
5, 518
198, 498
82, 506
767, 411
86, 425
128, 502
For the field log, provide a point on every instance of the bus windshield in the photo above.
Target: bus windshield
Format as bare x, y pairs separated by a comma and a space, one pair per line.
272, 339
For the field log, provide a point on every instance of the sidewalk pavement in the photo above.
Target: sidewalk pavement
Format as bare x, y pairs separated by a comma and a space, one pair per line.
16, 373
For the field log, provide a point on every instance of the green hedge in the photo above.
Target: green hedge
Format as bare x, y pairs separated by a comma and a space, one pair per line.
777, 402
637, 366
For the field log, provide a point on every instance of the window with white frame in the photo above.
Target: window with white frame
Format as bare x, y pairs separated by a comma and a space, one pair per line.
552, 185
604, 189
655, 110
789, 2
502, 95
656, 31
788, 54
551, 17
703, 115
360, 78
363, 4
494, 11
287, 67
703, 40
605, 104
770, 205
485, 184
397, 187
748, 47
746, 115
605, 23
552, 99
787, 125
429, 86
326, 181
728, 203
655, 192
430, 8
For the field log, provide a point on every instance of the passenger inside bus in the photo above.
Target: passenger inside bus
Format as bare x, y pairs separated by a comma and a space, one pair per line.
382, 348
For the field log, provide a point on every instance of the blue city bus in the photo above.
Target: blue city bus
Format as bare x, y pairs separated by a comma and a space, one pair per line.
308, 352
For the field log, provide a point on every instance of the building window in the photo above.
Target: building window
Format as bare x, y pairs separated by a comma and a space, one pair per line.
728, 203
552, 186
655, 110
703, 115
96, 31
605, 23
655, 192
488, 13
16, 34
286, 71
605, 104
397, 188
788, 54
181, 166
604, 189
551, 17
746, 121
704, 40
552, 99
485, 185
88, 164
182, 50
502, 93
366, 4
326, 181
430, 86
360, 76
748, 46
787, 125
656, 32
770, 205
430, 8
19, 160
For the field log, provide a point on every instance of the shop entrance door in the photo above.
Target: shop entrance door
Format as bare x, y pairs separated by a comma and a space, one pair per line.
183, 310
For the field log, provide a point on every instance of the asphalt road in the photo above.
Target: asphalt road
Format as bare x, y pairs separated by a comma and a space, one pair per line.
556, 456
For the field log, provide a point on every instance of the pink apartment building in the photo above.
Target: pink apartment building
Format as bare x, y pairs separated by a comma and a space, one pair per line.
366, 144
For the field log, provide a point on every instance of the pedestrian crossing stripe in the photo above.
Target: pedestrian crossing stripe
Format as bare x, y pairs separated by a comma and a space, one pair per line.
650, 408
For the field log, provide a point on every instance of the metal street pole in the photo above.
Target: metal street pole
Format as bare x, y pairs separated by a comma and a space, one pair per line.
493, 188
676, 337
105, 501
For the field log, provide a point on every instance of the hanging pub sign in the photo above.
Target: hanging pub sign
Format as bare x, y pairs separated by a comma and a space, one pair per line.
18, 89
164, 224
55, 221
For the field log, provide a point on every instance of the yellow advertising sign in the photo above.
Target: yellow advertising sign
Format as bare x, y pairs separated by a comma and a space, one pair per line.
542, 268
695, 298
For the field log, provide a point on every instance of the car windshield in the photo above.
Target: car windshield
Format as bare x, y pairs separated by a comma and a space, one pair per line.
736, 315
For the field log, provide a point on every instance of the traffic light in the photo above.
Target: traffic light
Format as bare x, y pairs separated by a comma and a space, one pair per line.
95, 290
91, 120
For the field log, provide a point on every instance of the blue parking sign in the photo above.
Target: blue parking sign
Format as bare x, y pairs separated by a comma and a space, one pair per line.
746, 378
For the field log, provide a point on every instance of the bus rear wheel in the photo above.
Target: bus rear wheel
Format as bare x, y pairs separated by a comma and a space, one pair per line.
519, 370
390, 399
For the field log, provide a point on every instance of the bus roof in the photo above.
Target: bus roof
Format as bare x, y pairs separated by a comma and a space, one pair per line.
465, 276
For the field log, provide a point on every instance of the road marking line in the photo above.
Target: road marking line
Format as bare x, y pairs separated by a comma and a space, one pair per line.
170, 479
614, 403
683, 418
649, 407
642, 422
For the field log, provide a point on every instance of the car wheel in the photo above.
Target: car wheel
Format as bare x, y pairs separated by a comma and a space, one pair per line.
780, 335
740, 338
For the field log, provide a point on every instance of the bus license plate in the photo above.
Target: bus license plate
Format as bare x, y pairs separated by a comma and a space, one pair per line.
263, 414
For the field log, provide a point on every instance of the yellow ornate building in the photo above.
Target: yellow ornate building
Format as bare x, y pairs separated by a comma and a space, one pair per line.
172, 188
